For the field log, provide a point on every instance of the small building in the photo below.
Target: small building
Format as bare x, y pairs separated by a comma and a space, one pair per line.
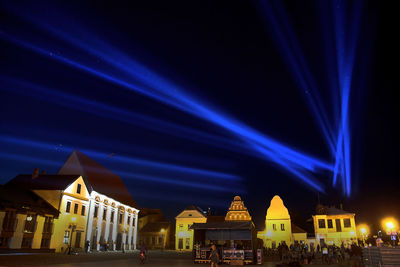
26, 220
237, 211
183, 233
279, 228
155, 235
334, 226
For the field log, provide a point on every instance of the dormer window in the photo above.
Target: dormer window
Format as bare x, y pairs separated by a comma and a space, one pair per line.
78, 189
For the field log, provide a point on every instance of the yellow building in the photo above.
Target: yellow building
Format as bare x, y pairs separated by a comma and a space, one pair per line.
184, 235
237, 211
334, 226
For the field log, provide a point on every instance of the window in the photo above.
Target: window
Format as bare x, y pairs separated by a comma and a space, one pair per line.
190, 215
180, 226
68, 208
66, 237
76, 206
160, 240
153, 240
112, 216
274, 227
96, 211
347, 223
330, 224
282, 227
104, 214
83, 210
78, 189
321, 223
129, 220
120, 218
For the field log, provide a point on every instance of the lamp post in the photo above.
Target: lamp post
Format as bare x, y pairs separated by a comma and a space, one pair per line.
162, 237
391, 227
72, 226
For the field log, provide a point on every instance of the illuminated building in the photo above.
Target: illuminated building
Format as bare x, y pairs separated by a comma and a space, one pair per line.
26, 220
96, 209
237, 211
334, 226
155, 235
185, 219
278, 226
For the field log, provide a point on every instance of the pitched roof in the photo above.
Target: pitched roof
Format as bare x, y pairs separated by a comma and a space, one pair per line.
99, 178
43, 182
224, 225
193, 207
24, 200
335, 211
155, 227
297, 230
215, 218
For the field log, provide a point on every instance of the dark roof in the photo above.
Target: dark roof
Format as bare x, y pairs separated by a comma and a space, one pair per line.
193, 207
155, 227
23, 200
297, 230
215, 218
43, 182
97, 177
335, 211
223, 225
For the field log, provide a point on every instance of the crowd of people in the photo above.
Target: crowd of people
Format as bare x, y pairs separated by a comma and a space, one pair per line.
303, 254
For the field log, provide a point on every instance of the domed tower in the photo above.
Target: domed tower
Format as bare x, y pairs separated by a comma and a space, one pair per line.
278, 227
237, 211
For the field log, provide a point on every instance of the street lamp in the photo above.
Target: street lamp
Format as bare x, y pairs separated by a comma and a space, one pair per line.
72, 226
391, 228
363, 230
162, 236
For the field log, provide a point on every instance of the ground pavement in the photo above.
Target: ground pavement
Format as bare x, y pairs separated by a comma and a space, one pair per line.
113, 259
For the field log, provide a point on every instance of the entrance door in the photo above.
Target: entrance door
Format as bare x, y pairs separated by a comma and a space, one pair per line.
78, 240
180, 243
119, 241
338, 225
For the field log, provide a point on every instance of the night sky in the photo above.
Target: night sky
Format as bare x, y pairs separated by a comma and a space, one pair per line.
221, 53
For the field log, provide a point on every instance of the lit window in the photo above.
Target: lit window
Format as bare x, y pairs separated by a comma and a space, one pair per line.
68, 208
66, 237
321, 223
76, 206
330, 224
78, 189
347, 223
282, 227
83, 210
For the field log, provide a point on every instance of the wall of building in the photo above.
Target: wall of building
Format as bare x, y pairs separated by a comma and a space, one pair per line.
331, 235
184, 235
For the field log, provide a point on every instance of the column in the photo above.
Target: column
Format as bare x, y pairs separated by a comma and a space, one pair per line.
114, 229
108, 219
124, 227
136, 215
99, 224
130, 231
90, 223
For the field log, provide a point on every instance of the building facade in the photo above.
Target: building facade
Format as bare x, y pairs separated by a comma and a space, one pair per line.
96, 211
237, 211
334, 226
184, 235
26, 220
279, 228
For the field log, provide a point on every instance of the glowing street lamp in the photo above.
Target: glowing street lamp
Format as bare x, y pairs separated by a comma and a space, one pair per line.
363, 230
162, 236
391, 226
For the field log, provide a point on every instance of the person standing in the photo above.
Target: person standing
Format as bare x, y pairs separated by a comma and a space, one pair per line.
214, 256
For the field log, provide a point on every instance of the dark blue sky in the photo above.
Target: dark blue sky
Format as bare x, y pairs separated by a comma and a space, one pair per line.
219, 52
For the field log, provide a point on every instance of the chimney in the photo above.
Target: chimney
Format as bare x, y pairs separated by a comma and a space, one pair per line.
35, 173
43, 172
